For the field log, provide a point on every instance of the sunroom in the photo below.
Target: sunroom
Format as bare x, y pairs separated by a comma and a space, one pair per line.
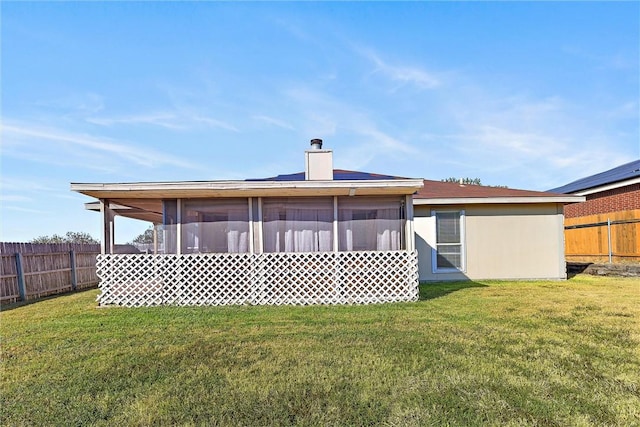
320, 237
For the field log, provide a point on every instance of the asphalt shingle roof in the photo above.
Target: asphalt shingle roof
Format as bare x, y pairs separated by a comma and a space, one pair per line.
446, 190
431, 189
617, 174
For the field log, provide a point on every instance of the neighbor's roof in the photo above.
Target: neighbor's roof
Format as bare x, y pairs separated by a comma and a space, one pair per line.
442, 193
628, 171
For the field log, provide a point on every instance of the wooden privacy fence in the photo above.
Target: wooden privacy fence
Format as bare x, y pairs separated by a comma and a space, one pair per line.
612, 237
31, 271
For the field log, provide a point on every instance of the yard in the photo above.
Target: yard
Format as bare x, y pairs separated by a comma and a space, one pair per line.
483, 353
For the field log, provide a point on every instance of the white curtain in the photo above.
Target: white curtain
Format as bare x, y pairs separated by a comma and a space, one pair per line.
271, 229
216, 225
308, 230
373, 224
237, 231
298, 225
345, 229
388, 227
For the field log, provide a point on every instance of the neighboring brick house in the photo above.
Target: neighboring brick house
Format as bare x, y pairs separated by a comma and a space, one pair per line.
605, 227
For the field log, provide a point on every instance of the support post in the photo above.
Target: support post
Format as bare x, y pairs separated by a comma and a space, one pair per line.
22, 289
107, 243
336, 241
74, 276
410, 235
155, 239
251, 242
179, 226
260, 233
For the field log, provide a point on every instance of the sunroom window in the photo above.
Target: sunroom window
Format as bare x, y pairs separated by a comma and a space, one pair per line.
370, 224
298, 224
220, 225
449, 250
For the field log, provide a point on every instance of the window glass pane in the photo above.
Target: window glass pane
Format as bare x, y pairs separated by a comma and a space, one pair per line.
215, 225
449, 256
298, 224
370, 223
448, 227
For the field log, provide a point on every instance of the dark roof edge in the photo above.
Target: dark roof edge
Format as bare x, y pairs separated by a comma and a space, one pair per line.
611, 176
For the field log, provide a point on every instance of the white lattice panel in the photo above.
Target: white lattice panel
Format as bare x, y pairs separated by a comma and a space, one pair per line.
269, 279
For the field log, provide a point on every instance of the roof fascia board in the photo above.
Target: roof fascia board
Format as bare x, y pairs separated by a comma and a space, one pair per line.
607, 187
497, 200
406, 185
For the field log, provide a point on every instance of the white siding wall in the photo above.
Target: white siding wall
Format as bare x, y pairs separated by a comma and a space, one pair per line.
501, 242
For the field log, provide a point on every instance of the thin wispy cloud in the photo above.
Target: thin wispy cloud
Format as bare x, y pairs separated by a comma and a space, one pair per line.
164, 120
24, 210
15, 198
25, 184
402, 74
32, 137
611, 60
325, 115
533, 140
176, 121
273, 121
74, 104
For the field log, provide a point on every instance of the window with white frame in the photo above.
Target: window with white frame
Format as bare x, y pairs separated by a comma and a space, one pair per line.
448, 254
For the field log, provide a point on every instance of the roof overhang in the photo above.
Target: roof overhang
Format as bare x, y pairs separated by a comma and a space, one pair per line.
204, 189
144, 210
498, 200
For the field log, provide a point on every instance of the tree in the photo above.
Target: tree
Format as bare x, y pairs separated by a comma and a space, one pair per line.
466, 181
470, 181
69, 237
146, 237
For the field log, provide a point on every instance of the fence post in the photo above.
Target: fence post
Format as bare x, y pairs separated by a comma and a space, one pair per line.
609, 238
74, 277
22, 290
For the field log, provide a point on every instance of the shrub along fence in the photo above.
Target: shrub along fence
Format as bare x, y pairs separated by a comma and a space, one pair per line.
30, 271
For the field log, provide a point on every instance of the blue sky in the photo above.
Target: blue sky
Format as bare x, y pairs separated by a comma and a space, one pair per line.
528, 95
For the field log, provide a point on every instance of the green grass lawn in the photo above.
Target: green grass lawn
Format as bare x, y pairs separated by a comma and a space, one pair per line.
489, 353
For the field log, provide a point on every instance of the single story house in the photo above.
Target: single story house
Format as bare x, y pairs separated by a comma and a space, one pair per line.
323, 236
606, 226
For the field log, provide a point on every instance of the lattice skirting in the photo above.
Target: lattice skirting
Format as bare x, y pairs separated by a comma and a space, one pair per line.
364, 277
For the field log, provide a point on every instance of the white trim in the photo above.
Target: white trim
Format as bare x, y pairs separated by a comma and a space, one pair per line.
103, 241
178, 226
251, 245
497, 200
410, 237
463, 244
335, 224
112, 239
607, 187
246, 188
260, 233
